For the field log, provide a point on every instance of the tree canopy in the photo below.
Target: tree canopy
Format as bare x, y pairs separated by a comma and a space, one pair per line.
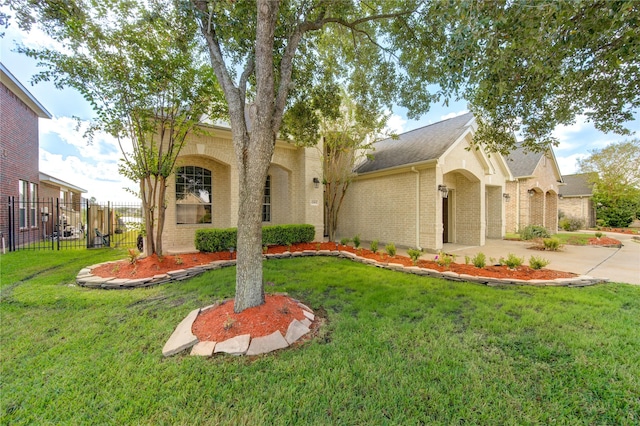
140, 66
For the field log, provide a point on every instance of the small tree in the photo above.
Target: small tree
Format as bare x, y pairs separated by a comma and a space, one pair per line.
139, 66
615, 175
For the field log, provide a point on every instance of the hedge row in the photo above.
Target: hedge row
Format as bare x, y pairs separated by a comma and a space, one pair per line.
214, 240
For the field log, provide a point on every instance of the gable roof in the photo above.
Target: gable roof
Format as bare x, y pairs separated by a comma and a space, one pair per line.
523, 163
22, 93
419, 145
576, 185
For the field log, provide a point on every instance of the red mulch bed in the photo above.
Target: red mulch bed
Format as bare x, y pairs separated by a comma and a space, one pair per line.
152, 265
620, 230
221, 323
604, 241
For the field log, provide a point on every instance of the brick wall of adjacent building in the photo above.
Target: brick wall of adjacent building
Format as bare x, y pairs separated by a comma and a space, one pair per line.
18, 150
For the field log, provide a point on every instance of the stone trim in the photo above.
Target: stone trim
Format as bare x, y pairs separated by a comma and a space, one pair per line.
86, 279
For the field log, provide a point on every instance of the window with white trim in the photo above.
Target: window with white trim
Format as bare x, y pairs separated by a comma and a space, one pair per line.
193, 195
22, 202
266, 201
33, 203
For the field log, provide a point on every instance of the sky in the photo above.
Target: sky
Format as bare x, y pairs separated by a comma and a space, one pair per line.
65, 154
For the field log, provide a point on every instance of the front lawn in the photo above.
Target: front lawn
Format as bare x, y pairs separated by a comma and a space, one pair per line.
397, 349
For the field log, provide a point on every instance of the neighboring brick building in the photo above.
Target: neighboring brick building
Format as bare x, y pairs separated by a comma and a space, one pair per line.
203, 192
533, 194
425, 189
576, 198
19, 177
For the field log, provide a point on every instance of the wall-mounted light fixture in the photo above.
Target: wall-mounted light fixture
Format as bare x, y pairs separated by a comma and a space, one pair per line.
444, 192
316, 182
560, 196
506, 197
531, 192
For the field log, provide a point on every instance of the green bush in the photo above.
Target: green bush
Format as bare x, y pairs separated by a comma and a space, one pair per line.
534, 231
537, 262
551, 244
344, 241
414, 254
512, 261
444, 259
570, 223
374, 246
390, 249
598, 234
479, 260
214, 239
356, 241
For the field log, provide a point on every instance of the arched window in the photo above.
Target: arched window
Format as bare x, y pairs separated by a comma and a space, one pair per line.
193, 195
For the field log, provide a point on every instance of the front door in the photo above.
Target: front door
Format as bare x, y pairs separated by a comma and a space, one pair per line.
445, 220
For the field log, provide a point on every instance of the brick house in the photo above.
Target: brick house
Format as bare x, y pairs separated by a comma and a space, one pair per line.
203, 190
576, 198
533, 192
19, 146
69, 202
426, 188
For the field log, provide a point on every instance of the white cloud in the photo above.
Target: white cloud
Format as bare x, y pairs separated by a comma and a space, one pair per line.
569, 165
565, 133
101, 181
396, 124
104, 147
453, 114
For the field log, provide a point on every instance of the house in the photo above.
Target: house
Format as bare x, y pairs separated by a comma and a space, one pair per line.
427, 188
533, 192
203, 191
66, 200
576, 198
19, 157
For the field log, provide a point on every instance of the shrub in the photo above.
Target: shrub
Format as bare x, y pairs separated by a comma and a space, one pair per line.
479, 260
215, 240
344, 241
551, 244
570, 223
467, 259
356, 241
390, 249
512, 261
534, 231
598, 234
444, 259
414, 254
537, 262
374, 246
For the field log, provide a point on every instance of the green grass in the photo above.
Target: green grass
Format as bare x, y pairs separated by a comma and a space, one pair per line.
397, 349
573, 238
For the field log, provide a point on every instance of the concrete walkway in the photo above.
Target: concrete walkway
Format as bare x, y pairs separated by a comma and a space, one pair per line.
615, 264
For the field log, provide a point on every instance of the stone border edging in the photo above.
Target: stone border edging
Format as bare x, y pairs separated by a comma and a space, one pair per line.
86, 279
183, 338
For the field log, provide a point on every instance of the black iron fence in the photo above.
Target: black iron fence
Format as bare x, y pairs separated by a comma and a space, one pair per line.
52, 224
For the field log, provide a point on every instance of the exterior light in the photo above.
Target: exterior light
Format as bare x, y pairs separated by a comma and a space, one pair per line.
443, 191
560, 196
316, 182
506, 197
531, 192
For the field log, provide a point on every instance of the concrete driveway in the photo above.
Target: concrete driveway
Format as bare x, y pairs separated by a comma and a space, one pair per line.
615, 264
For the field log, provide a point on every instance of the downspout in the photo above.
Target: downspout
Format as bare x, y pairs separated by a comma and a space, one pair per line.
517, 205
413, 169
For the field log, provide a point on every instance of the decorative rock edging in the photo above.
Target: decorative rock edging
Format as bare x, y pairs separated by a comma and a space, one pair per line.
182, 338
86, 279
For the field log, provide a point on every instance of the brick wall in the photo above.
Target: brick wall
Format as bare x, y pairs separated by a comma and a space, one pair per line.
18, 150
579, 207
